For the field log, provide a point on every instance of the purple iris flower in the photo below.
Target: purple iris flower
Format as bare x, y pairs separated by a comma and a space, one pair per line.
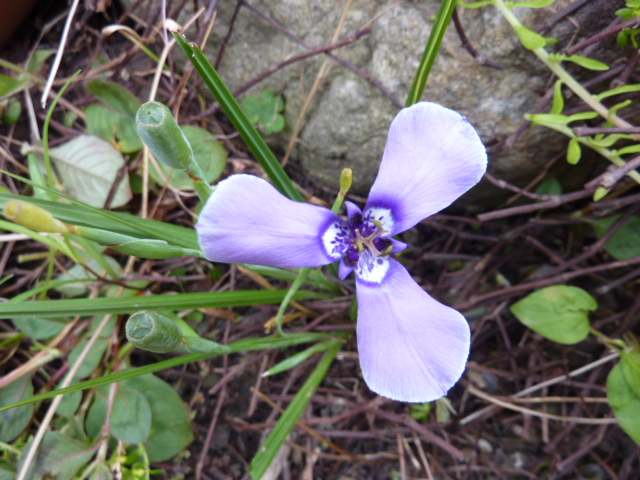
412, 348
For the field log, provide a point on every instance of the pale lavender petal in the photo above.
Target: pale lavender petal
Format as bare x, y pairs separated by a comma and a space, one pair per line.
247, 220
433, 155
352, 209
412, 348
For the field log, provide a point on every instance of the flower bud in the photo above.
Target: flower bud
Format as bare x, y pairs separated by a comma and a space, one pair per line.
153, 332
346, 179
160, 132
34, 217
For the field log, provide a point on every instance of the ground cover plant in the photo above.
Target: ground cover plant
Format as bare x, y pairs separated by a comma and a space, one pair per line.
127, 354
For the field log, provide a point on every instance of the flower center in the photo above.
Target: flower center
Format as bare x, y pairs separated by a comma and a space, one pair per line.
366, 235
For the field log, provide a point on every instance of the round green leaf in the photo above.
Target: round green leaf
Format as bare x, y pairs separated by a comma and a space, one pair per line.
208, 152
58, 456
558, 313
624, 402
88, 167
625, 243
115, 127
170, 424
131, 416
14, 420
630, 364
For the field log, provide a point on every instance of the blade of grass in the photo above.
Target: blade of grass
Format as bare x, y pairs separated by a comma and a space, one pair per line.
118, 222
236, 114
431, 51
104, 305
292, 414
246, 345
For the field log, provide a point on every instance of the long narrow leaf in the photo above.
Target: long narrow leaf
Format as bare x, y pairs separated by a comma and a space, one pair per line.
246, 345
238, 117
292, 414
104, 305
431, 51
117, 222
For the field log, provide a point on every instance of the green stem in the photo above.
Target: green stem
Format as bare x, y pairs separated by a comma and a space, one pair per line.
299, 281
561, 73
431, 51
605, 152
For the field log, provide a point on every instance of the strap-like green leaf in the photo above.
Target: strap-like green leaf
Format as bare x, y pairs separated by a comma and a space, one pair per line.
239, 118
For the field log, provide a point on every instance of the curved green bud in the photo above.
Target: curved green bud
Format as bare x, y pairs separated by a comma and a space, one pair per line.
153, 332
346, 179
34, 217
160, 132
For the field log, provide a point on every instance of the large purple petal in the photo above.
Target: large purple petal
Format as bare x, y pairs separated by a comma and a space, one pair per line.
247, 220
433, 155
412, 348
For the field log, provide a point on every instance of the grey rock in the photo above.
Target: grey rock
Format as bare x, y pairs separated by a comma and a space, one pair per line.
347, 123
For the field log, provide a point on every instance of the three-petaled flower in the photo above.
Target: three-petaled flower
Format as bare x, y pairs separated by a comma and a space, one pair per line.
411, 347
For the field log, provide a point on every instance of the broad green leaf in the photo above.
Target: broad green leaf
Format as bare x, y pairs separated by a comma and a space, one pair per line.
558, 99
40, 328
92, 360
265, 111
7, 470
530, 39
59, 457
170, 424
88, 166
131, 415
115, 96
551, 186
208, 152
624, 402
559, 313
589, 63
38, 58
10, 110
79, 272
70, 402
97, 414
574, 151
117, 128
10, 85
625, 243
38, 176
13, 421
101, 472
630, 363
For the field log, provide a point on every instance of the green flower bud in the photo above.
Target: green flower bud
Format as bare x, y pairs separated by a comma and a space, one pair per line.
31, 216
346, 179
160, 132
153, 332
